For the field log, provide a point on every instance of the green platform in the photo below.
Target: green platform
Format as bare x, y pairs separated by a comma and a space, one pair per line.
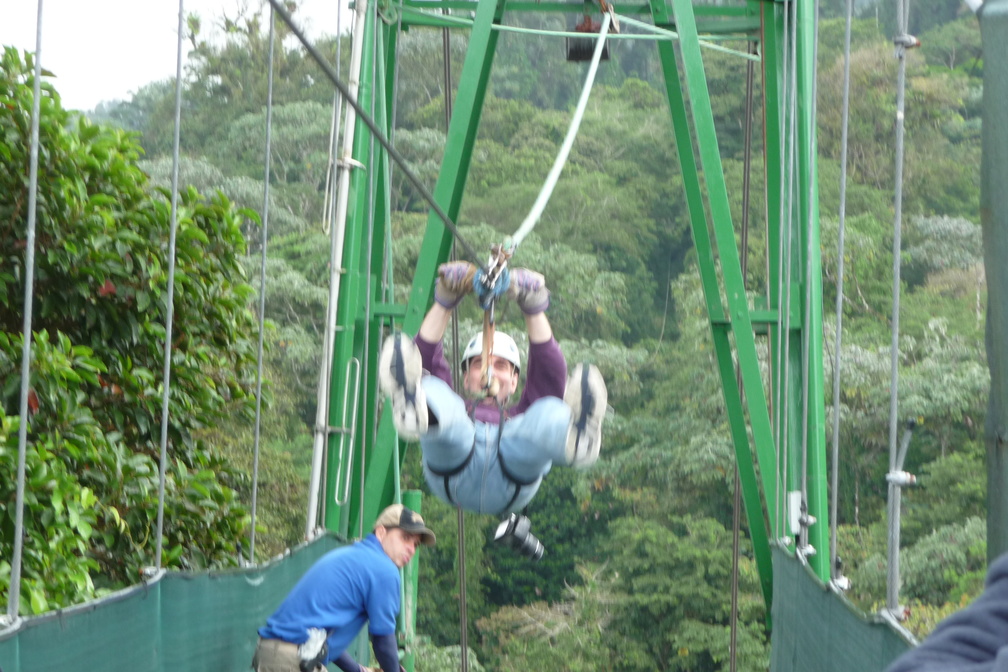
182, 622
816, 629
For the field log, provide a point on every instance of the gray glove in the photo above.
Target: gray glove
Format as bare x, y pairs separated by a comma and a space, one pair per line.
528, 290
455, 280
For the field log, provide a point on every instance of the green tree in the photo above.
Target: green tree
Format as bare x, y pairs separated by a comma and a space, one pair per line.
100, 293
672, 574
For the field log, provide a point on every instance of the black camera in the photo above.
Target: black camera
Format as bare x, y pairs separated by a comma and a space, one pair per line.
516, 531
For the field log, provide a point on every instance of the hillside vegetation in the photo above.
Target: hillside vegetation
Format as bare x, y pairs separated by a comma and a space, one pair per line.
639, 548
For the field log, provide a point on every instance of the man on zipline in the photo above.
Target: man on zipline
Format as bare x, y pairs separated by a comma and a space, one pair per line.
480, 453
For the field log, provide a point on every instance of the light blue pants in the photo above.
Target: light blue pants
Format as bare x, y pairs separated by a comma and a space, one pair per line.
528, 445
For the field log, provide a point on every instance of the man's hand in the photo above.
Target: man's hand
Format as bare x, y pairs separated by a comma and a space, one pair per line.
455, 280
528, 290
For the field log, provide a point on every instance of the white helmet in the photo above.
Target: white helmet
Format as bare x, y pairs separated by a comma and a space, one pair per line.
503, 346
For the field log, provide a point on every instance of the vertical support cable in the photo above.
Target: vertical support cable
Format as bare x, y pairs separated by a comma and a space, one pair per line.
262, 280
835, 462
170, 298
14, 593
744, 245
892, 578
463, 607
787, 224
463, 600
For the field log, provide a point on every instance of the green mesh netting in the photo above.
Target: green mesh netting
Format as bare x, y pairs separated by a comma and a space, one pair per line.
816, 629
180, 623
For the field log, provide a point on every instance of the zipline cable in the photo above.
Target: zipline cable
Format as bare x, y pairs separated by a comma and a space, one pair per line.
834, 467
170, 301
551, 179
369, 122
262, 283
14, 591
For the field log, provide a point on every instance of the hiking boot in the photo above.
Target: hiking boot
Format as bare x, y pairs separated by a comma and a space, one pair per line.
400, 367
586, 396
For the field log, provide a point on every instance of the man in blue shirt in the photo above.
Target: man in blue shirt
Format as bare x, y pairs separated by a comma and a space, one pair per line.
346, 588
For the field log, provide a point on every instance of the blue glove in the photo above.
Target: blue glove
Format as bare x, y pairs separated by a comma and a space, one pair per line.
455, 280
528, 290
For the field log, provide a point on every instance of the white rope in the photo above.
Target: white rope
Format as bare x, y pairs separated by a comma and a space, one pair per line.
561, 159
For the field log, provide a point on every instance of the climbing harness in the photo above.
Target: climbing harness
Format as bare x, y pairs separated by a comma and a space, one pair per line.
446, 474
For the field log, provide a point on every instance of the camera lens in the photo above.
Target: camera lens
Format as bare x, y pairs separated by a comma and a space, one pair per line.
516, 532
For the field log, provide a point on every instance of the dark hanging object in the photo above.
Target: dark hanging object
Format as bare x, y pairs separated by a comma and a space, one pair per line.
581, 48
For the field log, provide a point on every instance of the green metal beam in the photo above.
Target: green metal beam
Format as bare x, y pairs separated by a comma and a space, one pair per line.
813, 410
739, 323
382, 470
638, 8
462, 130
792, 200
729, 26
348, 345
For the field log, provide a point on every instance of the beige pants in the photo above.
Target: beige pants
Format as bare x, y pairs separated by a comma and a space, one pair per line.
273, 655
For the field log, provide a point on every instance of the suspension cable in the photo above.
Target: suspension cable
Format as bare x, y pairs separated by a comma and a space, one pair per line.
787, 220
781, 312
463, 600
892, 588
744, 245
463, 606
14, 592
170, 302
262, 283
838, 338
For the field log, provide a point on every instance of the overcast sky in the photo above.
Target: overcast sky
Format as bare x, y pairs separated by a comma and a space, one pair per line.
105, 49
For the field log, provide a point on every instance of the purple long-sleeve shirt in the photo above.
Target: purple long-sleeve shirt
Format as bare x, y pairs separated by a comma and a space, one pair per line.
545, 376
